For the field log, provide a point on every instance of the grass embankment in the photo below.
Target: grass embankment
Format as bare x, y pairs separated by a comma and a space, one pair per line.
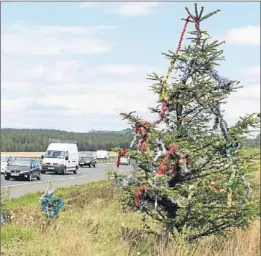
90, 225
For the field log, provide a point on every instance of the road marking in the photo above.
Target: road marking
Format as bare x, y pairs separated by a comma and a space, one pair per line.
44, 181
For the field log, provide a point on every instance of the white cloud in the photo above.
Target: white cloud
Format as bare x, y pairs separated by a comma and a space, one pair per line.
87, 4
71, 92
24, 40
123, 69
249, 35
71, 86
134, 8
15, 107
255, 71
243, 102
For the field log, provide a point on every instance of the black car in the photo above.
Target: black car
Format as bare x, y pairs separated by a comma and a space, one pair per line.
87, 160
23, 168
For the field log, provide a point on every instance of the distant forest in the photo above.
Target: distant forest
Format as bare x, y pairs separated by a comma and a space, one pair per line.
37, 140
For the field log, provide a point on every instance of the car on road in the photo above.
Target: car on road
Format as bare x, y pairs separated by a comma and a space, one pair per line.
25, 168
124, 161
87, 159
4, 161
102, 155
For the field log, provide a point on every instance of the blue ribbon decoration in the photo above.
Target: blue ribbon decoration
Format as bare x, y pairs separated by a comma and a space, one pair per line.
51, 205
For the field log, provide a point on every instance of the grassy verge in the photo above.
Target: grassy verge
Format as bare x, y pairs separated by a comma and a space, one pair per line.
90, 224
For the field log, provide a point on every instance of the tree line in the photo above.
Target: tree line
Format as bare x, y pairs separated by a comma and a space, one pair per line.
37, 140
252, 142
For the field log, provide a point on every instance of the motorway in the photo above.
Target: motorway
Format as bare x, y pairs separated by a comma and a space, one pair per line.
17, 188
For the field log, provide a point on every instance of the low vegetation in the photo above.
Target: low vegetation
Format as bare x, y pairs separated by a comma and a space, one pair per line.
37, 140
92, 223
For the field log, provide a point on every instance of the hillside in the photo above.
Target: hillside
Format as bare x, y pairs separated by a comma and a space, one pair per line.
37, 140
255, 142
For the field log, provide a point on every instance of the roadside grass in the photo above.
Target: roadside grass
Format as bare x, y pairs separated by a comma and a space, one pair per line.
91, 224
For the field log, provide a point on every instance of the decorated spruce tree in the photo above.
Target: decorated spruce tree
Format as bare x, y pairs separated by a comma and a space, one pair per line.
191, 176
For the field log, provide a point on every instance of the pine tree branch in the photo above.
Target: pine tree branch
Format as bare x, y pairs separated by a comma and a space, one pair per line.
209, 232
190, 177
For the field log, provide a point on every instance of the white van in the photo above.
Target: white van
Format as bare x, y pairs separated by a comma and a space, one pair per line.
102, 154
61, 157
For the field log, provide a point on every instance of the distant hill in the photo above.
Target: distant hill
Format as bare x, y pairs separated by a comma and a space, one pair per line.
37, 140
252, 142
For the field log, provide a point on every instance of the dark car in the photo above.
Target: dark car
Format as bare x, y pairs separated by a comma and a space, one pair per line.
23, 168
86, 159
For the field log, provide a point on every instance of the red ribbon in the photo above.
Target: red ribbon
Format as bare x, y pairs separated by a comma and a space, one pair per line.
137, 129
143, 131
138, 194
164, 106
172, 170
163, 165
121, 154
164, 109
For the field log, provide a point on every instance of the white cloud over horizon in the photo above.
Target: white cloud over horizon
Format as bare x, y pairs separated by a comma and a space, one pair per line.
24, 40
49, 80
249, 35
133, 8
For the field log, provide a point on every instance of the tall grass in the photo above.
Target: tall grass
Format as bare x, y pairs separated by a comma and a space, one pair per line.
91, 224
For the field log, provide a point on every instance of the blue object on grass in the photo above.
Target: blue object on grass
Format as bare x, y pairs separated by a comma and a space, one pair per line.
51, 205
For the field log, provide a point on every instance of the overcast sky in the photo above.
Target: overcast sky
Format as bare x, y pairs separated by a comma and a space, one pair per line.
76, 66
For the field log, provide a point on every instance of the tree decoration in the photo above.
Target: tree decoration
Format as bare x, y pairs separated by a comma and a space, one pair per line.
191, 177
121, 154
50, 204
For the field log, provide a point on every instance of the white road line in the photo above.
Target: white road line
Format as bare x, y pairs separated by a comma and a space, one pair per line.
44, 181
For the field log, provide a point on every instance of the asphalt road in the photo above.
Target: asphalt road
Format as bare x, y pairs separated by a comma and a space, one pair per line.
17, 188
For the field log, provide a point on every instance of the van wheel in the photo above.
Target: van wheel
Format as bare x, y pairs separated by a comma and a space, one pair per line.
76, 169
64, 170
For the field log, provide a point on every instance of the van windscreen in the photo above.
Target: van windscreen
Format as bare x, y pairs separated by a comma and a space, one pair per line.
54, 154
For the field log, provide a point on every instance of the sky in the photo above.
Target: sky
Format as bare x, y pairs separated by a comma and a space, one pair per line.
76, 66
